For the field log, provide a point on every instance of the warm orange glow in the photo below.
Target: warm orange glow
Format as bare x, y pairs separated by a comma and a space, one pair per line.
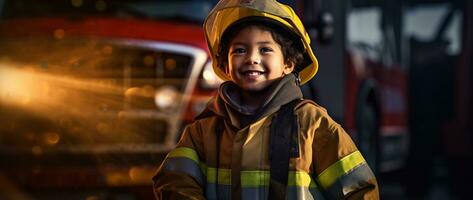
148, 61
92, 198
145, 91
170, 64
116, 177
107, 50
14, 85
148, 91
103, 127
37, 150
43, 92
77, 96
52, 138
136, 175
141, 174
76, 3
59, 33
74, 104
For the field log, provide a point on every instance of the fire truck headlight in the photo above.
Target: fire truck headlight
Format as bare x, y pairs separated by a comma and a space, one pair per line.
166, 97
209, 79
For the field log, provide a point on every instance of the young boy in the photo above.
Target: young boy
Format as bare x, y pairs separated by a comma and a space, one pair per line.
258, 139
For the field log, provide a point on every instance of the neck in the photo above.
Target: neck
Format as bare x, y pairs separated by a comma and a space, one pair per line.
254, 99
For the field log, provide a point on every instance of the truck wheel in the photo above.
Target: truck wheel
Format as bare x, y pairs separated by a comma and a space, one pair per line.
367, 140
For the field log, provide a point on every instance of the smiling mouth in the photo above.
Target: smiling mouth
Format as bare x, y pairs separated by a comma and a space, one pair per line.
252, 73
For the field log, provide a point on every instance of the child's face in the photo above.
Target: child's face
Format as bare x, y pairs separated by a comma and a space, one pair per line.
255, 60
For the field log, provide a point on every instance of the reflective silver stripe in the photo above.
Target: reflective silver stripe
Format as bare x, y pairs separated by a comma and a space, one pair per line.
317, 194
224, 192
250, 193
255, 185
353, 180
255, 193
185, 165
301, 193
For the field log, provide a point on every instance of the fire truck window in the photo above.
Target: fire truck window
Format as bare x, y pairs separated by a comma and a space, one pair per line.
454, 34
423, 22
363, 30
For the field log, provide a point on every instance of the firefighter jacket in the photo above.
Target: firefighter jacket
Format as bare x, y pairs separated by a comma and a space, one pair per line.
220, 156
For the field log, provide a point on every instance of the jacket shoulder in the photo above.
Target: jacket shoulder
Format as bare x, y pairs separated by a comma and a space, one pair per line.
203, 124
308, 108
317, 123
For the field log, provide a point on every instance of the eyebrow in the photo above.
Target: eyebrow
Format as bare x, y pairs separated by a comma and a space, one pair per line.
260, 43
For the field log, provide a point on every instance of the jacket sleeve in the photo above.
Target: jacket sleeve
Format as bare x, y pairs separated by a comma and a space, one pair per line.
341, 170
181, 175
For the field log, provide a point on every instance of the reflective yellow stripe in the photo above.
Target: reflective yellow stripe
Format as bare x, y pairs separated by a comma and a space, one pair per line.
299, 179
338, 169
190, 154
185, 152
257, 178
224, 176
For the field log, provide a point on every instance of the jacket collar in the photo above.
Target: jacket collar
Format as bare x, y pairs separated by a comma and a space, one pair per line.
227, 103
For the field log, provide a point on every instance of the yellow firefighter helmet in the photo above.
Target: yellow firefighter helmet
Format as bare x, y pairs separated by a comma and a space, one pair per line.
227, 12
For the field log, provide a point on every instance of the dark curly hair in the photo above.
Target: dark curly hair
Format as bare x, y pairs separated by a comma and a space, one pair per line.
291, 45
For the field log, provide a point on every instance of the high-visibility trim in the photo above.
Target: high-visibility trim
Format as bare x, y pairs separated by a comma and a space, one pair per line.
257, 178
186, 166
224, 176
338, 169
250, 193
316, 193
185, 152
223, 192
189, 153
304, 193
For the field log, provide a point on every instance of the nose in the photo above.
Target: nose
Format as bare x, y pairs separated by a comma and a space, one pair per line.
253, 57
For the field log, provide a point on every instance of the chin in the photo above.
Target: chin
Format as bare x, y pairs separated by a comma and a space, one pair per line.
255, 88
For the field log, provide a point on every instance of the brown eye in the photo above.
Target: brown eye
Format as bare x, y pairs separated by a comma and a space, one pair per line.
238, 51
266, 49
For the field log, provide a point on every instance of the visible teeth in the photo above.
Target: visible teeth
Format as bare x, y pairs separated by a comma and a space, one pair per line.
254, 73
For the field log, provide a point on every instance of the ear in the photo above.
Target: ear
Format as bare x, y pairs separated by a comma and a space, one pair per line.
288, 68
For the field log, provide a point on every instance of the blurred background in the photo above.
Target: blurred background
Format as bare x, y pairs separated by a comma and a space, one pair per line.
94, 93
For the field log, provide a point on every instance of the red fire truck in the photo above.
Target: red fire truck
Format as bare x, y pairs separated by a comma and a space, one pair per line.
440, 86
363, 75
93, 93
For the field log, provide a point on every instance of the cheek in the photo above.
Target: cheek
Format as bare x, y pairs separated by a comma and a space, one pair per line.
278, 67
232, 67
234, 62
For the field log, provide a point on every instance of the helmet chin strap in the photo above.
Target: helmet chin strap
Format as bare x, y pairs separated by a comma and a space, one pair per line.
298, 78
